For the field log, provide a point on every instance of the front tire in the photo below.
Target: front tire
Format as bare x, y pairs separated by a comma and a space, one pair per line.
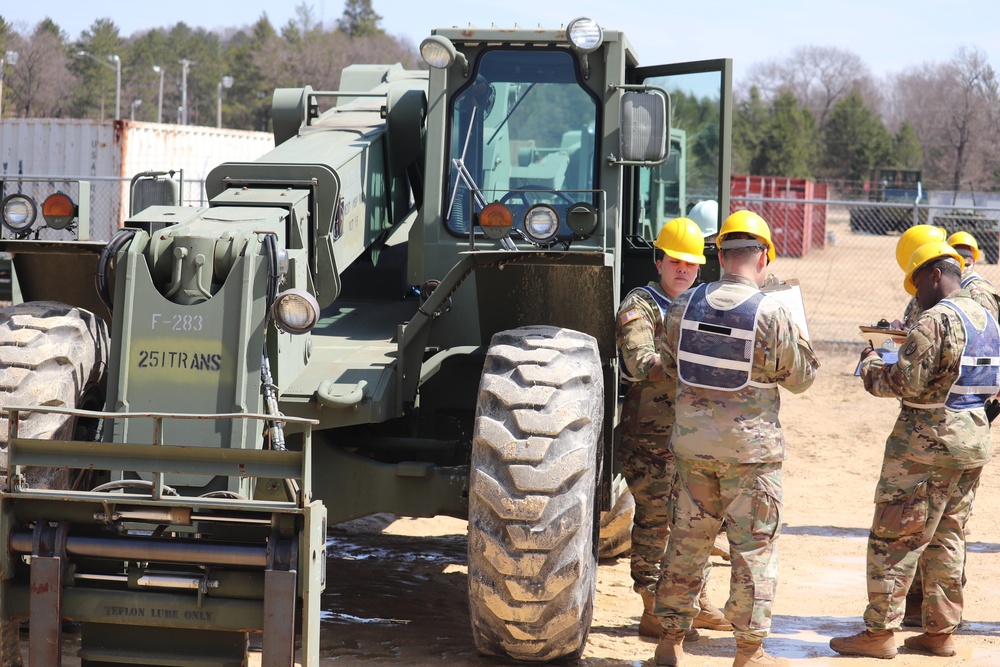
51, 354
532, 567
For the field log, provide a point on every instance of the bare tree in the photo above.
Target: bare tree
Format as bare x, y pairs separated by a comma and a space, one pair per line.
953, 108
39, 83
819, 77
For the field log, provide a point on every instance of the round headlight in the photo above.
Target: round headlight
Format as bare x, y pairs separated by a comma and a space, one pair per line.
438, 51
585, 35
19, 213
541, 223
58, 210
295, 311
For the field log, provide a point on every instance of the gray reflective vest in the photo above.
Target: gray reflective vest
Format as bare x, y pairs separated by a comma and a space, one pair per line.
716, 346
979, 372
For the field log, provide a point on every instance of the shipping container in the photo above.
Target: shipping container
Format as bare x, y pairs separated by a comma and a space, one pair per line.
108, 153
796, 226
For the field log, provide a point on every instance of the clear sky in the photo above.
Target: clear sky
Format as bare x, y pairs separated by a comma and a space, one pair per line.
889, 35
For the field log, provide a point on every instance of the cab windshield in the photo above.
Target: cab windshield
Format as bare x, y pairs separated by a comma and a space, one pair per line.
522, 133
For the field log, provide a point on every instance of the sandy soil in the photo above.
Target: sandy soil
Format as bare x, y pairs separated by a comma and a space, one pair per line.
396, 589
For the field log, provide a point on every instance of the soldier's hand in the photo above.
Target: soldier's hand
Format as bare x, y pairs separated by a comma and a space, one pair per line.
867, 352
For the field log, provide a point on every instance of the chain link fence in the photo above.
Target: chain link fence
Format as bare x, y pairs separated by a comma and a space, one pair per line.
841, 250
843, 253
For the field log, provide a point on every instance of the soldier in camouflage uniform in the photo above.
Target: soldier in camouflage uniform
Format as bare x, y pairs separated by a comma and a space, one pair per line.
984, 293
730, 346
948, 366
965, 244
648, 414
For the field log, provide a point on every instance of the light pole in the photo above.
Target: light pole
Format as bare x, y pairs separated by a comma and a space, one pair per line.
117, 67
159, 100
135, 105
225, 82
185, 64
8, 57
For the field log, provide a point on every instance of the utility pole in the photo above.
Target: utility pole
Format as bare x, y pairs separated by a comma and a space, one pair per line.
185, 64
159, 103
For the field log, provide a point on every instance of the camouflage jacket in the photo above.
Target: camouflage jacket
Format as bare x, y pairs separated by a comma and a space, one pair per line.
739, 426
928, 366
981, 289
648, 408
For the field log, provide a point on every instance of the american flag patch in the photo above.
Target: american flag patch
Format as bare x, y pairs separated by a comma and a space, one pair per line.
628, 316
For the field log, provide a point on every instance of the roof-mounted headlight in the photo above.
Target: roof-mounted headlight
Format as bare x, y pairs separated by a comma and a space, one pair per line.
541, 222
439, 52
585, 35
295, 311
18, 213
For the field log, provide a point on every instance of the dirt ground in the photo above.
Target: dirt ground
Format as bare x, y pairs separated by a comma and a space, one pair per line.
396, 589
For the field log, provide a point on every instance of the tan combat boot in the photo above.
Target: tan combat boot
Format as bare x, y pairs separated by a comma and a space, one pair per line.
877, 644
710, 617
670, 650
934, 643
750, 653
649, 624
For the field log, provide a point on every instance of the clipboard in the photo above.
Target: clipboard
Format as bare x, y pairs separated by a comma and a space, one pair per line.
880, 336
789, 293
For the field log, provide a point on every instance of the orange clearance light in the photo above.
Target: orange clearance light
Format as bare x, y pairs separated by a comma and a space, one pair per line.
58, 210
496, 220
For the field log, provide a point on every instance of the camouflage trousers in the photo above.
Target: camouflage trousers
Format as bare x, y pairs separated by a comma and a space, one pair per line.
920, 515
648, 466
748, 497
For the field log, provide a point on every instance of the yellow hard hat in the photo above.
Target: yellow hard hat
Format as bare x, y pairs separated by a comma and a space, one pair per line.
966, 239
751, 223
682, 239
922, 255
913, 238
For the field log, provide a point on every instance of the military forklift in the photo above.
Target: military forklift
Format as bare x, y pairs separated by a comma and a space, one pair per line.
407, 306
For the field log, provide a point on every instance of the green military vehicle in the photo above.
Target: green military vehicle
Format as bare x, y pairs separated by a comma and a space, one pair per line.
407, 306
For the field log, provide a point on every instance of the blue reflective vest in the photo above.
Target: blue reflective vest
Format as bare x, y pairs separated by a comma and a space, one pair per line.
979, 371
716, 346
662, 302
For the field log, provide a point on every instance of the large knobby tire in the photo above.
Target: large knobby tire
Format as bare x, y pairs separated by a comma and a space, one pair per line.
51, 354
532, 570
616, 527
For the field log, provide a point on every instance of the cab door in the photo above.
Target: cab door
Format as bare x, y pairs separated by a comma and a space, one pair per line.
697, 168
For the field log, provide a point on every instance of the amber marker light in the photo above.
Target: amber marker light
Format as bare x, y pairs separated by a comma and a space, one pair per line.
58, 210
496, 220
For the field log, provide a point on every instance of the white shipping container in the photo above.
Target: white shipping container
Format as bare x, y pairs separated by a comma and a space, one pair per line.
109, 153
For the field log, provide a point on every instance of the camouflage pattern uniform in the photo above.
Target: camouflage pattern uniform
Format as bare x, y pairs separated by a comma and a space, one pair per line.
646, 418
729, 448
930, 472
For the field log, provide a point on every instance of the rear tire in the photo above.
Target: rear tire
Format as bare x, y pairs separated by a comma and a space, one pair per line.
51, 354
532, 570
616, 527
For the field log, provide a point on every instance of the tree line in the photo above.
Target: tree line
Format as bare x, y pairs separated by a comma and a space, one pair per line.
58, 77
817, 114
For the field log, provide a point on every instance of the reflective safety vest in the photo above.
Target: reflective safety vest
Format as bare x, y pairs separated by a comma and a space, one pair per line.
968, 279
716, 346
979, 372
662, 302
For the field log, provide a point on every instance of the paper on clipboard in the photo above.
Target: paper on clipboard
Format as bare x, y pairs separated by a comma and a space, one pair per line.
789, 293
